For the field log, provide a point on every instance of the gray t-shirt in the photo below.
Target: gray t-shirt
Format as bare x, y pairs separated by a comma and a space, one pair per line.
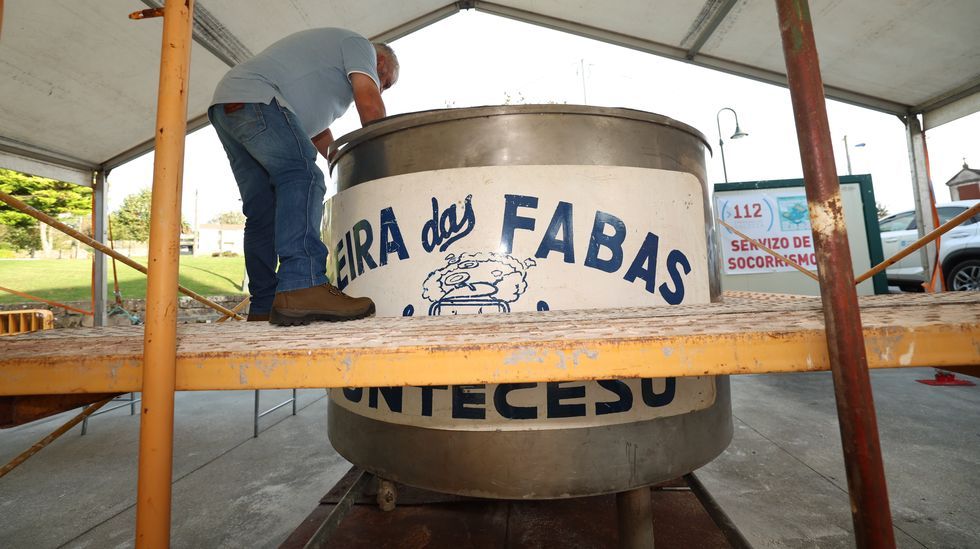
307, 72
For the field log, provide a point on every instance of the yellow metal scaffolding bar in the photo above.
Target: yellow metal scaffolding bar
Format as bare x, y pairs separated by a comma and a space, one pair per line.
745, 335
160, 335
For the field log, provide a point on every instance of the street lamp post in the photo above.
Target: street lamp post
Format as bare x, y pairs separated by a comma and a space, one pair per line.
847, 153
721, 142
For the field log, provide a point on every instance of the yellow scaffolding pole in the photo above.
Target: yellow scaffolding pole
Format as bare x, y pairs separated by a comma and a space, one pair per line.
153, 491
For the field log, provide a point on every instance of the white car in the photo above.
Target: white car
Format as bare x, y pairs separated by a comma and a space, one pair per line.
959, 249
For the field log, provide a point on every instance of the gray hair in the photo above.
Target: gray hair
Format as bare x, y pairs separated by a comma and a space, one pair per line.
389, 54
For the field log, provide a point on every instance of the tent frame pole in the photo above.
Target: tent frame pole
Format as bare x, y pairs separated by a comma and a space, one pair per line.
921, 190
99, 197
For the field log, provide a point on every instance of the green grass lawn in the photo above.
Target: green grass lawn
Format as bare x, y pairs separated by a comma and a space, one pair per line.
70, 279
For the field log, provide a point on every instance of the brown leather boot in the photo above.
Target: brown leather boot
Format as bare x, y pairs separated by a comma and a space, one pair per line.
322, 302
257, 317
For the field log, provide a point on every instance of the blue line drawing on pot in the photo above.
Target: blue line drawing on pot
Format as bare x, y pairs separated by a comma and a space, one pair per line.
476, 283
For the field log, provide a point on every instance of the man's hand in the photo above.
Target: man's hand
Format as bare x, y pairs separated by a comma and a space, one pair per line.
367, 98
322, 143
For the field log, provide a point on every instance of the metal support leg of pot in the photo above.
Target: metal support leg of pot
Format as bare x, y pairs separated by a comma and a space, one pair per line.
635, 514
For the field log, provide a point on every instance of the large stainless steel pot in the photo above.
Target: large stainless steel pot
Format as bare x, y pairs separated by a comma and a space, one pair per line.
400, 163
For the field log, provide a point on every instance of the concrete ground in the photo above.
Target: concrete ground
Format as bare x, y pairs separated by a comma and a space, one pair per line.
782, 479
230, 490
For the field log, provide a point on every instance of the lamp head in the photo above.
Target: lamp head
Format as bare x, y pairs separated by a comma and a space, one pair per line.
738, 133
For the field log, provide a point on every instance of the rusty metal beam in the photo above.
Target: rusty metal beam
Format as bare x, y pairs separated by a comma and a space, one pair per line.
845, 339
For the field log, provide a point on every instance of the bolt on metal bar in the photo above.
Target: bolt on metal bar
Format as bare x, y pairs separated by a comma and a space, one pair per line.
845, 342
153, 490
45, 218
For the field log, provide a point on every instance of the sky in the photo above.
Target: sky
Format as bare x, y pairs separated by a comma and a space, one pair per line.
461, 61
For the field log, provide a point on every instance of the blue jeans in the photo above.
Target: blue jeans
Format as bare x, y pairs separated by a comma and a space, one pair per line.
282, 189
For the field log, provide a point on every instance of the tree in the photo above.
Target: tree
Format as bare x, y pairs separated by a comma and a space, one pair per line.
132, 220
48, 195
882, 210
21, 238
229, 218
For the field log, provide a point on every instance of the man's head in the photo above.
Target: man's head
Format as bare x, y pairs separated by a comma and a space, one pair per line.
387, 65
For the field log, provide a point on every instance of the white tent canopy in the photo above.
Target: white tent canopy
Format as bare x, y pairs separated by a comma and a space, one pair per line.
79, 79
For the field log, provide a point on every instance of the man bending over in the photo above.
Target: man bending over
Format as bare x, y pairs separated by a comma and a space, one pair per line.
272, 113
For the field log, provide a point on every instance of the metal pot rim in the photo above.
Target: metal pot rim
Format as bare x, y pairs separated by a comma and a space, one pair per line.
400, 122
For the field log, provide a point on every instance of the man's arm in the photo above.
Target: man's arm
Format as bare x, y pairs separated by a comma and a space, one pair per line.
322, 142
367, 97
